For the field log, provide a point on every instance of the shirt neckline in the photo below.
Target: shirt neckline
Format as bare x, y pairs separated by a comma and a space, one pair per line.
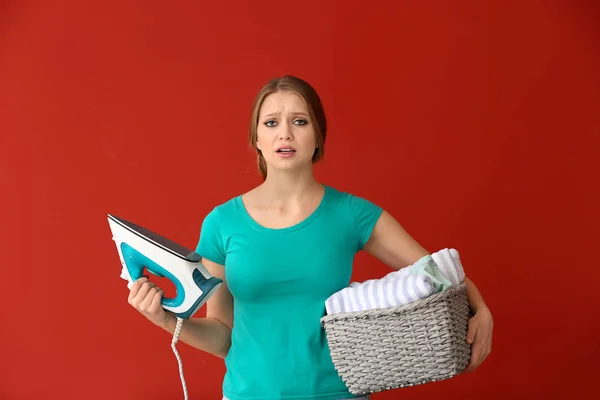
306, 221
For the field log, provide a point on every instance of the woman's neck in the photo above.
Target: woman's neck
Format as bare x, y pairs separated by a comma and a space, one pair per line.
283, 187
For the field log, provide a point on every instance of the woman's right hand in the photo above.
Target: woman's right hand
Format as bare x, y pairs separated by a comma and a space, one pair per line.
146, 297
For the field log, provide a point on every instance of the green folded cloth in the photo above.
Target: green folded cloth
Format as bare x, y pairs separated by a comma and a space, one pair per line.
426, 266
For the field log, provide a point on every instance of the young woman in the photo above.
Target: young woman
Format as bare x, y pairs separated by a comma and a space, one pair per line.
282, 249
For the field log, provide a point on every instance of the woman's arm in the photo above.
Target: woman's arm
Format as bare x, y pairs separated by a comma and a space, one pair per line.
213, 333
206, 334
475, 299
392, 245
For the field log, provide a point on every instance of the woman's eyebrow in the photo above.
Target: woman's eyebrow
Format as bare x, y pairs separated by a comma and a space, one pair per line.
277, 114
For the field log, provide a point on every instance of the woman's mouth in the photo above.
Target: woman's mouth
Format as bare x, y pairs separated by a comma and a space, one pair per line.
286, 152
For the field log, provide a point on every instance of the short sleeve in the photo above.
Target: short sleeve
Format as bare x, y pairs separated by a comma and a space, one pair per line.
211, 244
365, 215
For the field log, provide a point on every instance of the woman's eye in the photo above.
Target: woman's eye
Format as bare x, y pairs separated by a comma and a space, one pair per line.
272, 123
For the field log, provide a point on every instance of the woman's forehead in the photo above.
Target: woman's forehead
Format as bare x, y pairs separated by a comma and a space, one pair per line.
283, 102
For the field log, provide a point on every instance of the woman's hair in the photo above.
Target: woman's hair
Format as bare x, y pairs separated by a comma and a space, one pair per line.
313, 104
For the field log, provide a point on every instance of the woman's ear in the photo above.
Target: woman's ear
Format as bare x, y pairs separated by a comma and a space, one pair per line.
257, 145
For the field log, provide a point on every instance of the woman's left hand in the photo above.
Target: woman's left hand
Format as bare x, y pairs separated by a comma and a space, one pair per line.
479, 336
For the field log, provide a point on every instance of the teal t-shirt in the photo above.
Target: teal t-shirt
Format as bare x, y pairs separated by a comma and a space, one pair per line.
279, 280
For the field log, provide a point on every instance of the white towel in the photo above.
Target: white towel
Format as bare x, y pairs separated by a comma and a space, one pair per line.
409, 284
380, 293
448, 261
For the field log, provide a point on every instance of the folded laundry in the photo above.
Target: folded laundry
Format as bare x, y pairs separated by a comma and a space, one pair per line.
448, 261
431, 274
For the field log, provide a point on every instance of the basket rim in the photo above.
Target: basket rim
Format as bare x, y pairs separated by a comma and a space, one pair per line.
374, 312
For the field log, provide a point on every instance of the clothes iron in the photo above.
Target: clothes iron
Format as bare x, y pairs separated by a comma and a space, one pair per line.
138, 248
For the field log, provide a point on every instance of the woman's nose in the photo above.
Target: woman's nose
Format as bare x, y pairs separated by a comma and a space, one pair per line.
285, 131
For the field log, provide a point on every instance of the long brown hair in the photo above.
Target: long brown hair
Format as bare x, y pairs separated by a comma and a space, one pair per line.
313, 104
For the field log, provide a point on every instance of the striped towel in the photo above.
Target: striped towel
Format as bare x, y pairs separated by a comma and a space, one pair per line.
431, 274
448, 261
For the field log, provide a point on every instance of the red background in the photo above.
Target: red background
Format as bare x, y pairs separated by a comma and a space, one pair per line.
475, 123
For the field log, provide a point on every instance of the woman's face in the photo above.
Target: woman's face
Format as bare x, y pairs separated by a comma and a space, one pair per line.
285, 133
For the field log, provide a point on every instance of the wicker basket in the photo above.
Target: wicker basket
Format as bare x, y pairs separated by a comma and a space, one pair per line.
417, 343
